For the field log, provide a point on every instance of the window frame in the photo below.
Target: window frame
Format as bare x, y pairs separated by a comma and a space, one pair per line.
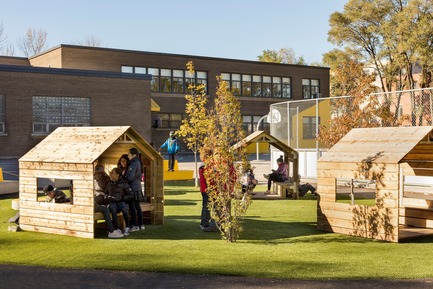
57, 111
309, 132
2, 114
310, 91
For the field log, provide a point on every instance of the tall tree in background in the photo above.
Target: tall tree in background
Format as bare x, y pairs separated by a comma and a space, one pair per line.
5, 48
359, 27
283, 55
34, 42
194, 126
344, 75
3, 37
416, 23
223, 164
391, 35
359, 110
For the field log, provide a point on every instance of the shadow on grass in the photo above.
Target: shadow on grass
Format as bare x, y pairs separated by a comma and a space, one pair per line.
419, 240
255, 231
179, 203
9, 196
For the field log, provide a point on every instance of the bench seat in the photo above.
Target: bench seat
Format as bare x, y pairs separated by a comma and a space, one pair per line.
285, 189
145, 207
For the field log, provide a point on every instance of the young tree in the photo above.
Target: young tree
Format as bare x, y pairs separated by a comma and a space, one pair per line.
194, 125
223, 163
33, 42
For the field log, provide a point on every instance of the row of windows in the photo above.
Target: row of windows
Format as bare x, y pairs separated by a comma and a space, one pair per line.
174, 120
249, 123
52, 112
178, 81
169, 80
258, 85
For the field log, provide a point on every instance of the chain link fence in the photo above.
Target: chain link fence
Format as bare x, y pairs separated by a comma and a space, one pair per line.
296, 123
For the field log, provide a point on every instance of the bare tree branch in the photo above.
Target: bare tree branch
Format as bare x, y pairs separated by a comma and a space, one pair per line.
90, 40
34, 42
5, 48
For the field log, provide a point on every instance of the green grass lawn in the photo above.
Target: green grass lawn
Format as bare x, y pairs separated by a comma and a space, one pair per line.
279, 240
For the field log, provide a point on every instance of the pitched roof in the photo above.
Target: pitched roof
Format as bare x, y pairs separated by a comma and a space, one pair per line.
77, 144
383, 144
262, 136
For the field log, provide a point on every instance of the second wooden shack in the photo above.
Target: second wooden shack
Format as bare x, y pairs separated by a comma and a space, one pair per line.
385, 157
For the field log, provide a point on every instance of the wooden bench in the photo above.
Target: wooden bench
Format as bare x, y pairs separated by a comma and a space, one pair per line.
285, 189
145, 207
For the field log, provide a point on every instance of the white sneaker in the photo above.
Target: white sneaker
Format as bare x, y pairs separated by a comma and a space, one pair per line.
142, 227
127, 230
134, 229
115, 234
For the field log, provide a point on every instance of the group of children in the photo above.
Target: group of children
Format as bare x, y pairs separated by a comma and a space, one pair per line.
121, 191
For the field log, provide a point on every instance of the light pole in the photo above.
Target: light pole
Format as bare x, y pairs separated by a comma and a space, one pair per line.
258, 127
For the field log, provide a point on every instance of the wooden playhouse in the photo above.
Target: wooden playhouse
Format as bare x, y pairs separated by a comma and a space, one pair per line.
291, 158
68, 156
385, 159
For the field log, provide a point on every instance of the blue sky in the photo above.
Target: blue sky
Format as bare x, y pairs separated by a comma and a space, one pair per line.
239, 29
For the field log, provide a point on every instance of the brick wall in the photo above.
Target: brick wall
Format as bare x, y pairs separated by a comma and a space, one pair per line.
103, 59
114, 102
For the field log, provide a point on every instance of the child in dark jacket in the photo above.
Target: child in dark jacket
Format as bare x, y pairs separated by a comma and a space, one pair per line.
117, 193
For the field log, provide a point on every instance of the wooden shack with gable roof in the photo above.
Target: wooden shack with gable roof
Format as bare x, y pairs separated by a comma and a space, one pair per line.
290, 156
389, 158
70, 154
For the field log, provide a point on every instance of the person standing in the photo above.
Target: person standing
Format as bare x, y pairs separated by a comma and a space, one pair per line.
133, 177
207, 224
172, 145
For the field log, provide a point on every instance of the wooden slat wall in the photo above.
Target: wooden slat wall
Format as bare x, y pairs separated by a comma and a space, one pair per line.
359, 220
418, 212
66, 219
416, 217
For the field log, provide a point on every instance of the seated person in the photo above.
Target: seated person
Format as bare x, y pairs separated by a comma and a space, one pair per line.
54, 195
101, 180
304, 188
118, 193
279, 175
248, 181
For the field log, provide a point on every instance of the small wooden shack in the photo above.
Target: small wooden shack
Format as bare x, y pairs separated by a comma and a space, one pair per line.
70, 154
386, 158
291, 156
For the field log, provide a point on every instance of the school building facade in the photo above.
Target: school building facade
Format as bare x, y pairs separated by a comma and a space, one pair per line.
71, 85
